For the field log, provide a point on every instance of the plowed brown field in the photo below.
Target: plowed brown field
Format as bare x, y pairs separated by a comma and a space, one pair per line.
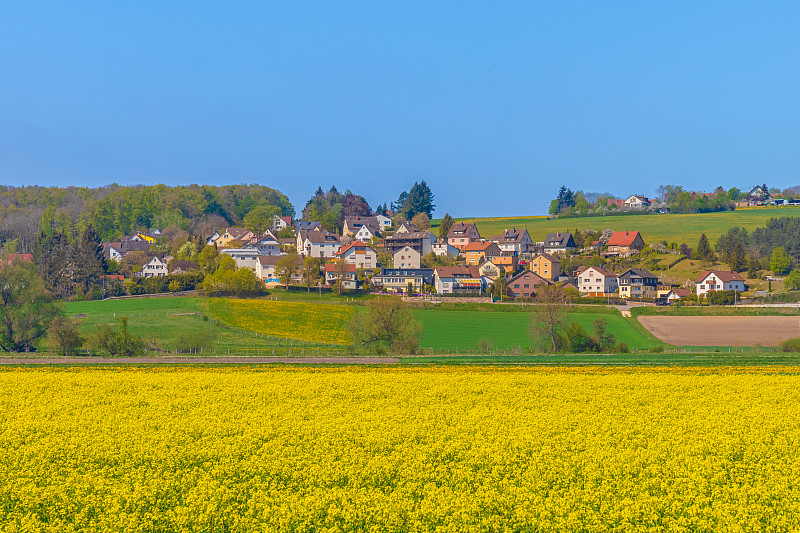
722, 330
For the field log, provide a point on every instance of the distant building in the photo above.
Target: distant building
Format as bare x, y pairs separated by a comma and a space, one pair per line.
719, 280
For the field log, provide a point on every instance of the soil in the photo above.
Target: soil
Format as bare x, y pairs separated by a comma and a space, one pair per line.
722, 330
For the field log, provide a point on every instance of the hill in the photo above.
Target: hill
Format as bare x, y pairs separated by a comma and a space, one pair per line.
668, 227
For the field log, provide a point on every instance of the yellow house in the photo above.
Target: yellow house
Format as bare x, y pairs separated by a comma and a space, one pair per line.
546, 266
477, 252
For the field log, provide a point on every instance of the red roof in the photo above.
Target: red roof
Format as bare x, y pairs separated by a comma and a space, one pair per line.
334, 267
477, 246
451, 271
623, 238
354, 244
723, 276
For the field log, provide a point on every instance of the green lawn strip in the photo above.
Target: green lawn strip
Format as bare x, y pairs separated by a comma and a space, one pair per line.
655, 227
637, 359
716, 310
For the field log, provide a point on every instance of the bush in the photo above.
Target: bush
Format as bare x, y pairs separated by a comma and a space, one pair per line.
622, 347
63, 336
117, 342
485, 345
721, 297
192, 341
791, 345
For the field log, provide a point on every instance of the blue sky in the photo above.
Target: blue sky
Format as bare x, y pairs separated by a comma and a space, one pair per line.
494, 104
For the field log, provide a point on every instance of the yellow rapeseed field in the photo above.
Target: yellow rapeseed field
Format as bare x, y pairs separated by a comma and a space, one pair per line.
325, 324
398, 449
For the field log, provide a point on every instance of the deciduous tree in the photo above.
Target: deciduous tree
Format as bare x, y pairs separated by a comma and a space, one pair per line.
25, 308
388, 324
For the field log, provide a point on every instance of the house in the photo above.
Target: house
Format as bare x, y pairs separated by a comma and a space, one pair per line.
234, 234
558, 243
212, 239
675, 294
346, 273
625, 243
266, 244
154, 268
638, 283
508, 261
279, 223
458, 279
489, 270
545, 266
421, 241
244, 257
597, 282
407, 227
397, 279
116, 250
266, 270
719, 280
143, 237
462, 233
367, 232
637, 201
524, 284
477, 252
443, 248
358, 254
305, 225
353, 224
384, 222
407, 257
514, 240
317, 243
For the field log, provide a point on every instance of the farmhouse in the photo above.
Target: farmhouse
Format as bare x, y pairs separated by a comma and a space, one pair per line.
719, 280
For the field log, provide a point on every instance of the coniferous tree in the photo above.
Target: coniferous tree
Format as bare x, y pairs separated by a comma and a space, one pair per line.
88, 260
703, 250
444, 227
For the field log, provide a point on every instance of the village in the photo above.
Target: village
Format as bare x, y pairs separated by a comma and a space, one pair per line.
370, 255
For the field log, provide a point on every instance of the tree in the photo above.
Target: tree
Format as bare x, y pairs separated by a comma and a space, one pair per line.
499, 288
779, 262
703, 250
64, 337
117, 342
388, 324
417, 200
792, 281
287, 268
88, 260
421, 221
444, 227
261, 218
310, 271
548, 315
25, 308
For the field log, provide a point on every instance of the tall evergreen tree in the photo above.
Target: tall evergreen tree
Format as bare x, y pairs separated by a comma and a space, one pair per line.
88, 260
703, 250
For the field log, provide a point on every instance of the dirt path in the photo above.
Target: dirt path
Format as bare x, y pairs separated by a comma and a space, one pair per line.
196, 360
722, 330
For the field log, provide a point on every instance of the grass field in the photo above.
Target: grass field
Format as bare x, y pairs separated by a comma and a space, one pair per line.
185, 324
448, 331
444, 449
671, 228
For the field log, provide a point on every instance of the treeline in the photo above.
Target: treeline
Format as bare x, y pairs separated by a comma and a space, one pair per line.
776, 246
117, 210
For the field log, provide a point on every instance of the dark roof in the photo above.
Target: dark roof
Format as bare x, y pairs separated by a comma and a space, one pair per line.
512, 235
305, 225
461, 228
559, 239
321, 237
411, 235
639, 272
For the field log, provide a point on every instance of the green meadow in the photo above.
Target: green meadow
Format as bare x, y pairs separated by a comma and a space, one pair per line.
667, 227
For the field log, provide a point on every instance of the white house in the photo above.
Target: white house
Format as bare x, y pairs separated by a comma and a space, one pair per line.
596, 281
359, 254
719, 280
266, 244
366, 232
637, 201
458, 279
515, 241
383, 222
443, 248
407, 257
153, 269
317, 243
244, 257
